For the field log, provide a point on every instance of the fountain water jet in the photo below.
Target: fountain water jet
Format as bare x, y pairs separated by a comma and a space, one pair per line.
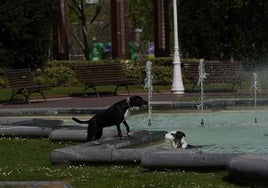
202, 76
148, 84
255, 87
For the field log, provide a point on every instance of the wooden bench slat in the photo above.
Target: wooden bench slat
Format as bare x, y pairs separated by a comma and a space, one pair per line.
93, 75
217, 72
21, 81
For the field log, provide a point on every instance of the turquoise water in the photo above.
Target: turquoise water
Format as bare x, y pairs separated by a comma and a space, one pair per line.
227, 131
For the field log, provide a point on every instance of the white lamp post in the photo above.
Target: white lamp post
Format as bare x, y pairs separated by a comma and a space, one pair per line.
177, 84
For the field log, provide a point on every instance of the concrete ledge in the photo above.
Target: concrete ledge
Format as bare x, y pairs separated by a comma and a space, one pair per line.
249, 167
78, 134
28, 127
74, 132
49, 111
25, 131
185, 159
83, 154
108, 149
68, 134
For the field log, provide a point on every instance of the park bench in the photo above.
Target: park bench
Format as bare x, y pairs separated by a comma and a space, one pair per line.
22, 82
216, 72
93, 75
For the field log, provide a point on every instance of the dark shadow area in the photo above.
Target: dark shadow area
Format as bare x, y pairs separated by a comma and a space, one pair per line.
246, 182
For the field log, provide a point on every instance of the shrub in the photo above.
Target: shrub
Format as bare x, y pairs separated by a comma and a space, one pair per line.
55, 75
61, 72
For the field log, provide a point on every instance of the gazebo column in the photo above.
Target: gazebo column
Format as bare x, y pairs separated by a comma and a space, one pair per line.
120, 29
161, 28
61, 31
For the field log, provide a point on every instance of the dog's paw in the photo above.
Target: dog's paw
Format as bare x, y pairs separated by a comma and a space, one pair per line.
130, 134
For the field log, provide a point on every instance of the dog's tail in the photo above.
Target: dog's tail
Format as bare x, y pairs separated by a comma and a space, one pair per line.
79, 121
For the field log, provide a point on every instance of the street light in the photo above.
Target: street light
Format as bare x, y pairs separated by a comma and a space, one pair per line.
177, 84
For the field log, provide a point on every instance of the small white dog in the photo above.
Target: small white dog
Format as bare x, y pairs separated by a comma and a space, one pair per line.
177, 139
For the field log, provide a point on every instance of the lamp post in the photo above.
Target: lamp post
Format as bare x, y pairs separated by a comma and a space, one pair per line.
177, 84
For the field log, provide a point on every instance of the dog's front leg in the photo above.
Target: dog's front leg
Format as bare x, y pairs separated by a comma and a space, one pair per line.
119, 131
127, 127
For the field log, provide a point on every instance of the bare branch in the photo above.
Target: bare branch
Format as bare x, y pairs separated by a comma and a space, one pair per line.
97, 11
80, 43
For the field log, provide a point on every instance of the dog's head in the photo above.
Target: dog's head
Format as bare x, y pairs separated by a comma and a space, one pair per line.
177, 139
136, 101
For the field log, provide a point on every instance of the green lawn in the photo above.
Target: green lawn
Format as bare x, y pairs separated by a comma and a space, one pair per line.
28, 159
78, 91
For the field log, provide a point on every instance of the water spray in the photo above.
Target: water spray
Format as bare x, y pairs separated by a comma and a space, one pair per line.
202, 77
255, 88
148, 84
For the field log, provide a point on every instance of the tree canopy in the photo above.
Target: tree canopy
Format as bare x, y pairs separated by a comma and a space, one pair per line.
25, 28
214, 29
221, 29
210, 29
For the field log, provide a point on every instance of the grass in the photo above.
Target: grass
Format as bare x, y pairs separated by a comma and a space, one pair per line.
28, 159
77, 91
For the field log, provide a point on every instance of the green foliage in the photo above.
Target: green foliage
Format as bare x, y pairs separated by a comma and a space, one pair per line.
83, 18
56, 75
135, 70
141, 16
3, 83
162, 69
162, 75
213, 29
25, 32
243, 27
60, 72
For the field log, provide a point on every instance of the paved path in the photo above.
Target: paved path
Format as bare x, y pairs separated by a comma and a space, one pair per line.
91, 104
107, 100
87, 102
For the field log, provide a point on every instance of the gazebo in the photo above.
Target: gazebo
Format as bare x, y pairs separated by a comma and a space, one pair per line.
119, 29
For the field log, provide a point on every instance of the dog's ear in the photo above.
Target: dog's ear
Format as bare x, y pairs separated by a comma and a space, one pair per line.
180, 133
136, 101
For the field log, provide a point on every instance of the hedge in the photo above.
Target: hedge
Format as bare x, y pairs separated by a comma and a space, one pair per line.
60, 73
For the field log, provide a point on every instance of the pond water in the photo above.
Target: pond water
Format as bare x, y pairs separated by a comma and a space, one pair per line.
226, 131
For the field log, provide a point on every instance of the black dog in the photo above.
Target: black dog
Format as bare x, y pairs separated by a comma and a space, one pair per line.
114, 115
